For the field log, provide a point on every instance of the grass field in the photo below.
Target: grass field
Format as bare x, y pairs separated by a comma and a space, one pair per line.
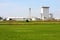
30, 32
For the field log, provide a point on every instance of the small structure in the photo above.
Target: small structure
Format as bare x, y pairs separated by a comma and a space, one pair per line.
50, 15
35, 18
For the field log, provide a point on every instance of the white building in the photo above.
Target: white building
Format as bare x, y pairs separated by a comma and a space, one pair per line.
16, 18
44, 13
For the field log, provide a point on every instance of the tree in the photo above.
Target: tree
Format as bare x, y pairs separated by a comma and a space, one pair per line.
10, 19
27, 20
1, 18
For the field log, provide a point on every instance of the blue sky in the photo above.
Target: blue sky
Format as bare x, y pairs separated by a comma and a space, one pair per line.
10, 8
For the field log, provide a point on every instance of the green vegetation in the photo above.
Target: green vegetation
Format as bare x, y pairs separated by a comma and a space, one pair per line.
30, 32
29, 22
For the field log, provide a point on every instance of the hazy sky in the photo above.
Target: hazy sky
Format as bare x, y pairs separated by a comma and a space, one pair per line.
20, 8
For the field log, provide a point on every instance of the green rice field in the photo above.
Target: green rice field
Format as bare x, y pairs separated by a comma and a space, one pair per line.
30, 32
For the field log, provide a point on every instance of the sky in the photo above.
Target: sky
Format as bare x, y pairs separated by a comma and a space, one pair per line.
20, 8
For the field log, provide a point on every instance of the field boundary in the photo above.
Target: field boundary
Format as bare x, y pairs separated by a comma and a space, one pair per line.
26, 23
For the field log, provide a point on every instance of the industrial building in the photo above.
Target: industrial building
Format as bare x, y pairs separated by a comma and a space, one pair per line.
45, 15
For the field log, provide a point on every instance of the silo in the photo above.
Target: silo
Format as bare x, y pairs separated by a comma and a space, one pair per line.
45, 12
